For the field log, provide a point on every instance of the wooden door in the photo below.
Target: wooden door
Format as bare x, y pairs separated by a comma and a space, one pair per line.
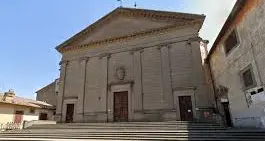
121, 106
18, 116
69, 113
185, 105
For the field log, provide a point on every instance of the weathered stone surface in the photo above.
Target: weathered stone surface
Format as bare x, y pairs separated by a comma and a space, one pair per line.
226, 68
155, 66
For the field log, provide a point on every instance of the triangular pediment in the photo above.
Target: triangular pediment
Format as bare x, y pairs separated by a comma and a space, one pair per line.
123, 26
126, 22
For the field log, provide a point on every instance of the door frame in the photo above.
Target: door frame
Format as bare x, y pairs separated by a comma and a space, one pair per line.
190, 117
115, 94
190, 93
72, 112
229, 111
110, 103
69, 101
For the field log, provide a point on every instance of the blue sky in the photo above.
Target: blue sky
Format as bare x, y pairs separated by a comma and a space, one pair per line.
31, 29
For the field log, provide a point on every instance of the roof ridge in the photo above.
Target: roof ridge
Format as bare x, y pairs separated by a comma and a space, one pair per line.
161, 11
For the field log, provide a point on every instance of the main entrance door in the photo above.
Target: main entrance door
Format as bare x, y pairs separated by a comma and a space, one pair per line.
185, 105
121, 106
69, 113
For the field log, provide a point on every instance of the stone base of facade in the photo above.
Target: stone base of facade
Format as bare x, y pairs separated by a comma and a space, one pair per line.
95, 117
204, 115
250, 122
155, 115
58, 118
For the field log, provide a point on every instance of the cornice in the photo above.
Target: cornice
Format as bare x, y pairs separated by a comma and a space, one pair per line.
133, 13
63, 62
128, 37
194, 39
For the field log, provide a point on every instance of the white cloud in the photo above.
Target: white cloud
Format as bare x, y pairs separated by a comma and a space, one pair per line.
216, 12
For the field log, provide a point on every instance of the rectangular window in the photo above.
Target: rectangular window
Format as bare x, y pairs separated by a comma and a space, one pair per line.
248, 78
231, 42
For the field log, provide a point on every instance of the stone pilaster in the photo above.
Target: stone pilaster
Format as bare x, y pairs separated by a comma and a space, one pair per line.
166, 76
103, 97
194, 44
59, 107
137, 63
80, 102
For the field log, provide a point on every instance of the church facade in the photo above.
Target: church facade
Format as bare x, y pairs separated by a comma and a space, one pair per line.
134, 65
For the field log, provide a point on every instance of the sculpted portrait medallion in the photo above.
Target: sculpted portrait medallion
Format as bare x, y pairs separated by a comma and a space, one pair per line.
120, 73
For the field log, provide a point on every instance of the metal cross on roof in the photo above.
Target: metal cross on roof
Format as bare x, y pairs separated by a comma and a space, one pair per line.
120, 2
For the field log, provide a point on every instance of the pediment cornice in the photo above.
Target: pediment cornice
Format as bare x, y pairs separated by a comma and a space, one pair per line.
142, 34
130, 13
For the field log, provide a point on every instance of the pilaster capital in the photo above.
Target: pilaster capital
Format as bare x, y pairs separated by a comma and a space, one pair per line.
135, 50
83, 59
194, 39
102, 55
167, 45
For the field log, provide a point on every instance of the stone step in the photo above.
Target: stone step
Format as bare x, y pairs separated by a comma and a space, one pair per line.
65, 126
123, 139
140, 128
139, 134
138, 123
129, 127
134, 131
130, 137
116, 125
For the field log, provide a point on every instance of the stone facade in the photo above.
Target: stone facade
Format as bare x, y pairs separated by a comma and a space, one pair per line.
154, 56
226, 68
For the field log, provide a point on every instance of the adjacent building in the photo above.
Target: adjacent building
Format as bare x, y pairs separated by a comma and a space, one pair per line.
48, 93
15, 109
134, 65
236, 62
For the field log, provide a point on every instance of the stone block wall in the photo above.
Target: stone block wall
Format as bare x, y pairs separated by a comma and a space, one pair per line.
250, 51
154, 68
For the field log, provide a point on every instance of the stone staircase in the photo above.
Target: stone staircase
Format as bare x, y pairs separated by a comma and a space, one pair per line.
175, 130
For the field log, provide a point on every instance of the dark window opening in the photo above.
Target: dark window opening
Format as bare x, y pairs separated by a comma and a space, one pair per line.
260, 90
231, 42
43, 116
32, 110
247, 78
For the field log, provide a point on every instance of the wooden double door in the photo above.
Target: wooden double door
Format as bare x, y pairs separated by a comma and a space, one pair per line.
120, 106
185, 106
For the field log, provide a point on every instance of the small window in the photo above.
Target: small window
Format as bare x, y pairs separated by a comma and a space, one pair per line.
248, 77
32, 110
231, 42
